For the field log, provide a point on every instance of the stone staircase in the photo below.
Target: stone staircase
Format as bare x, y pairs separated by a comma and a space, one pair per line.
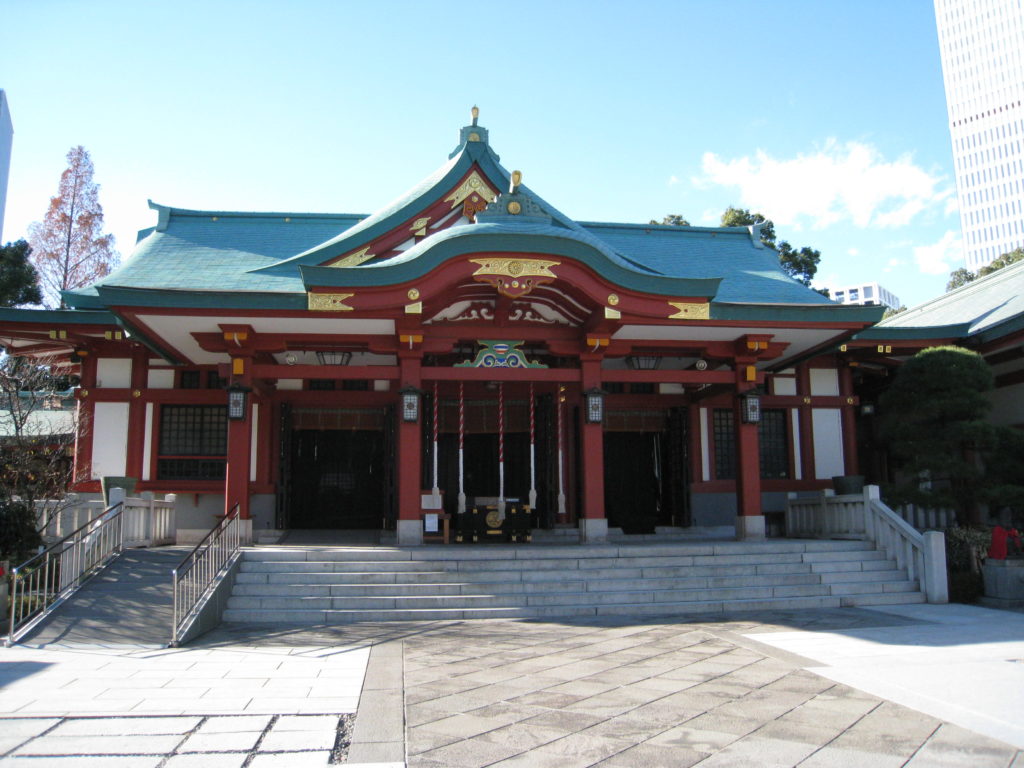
320, 585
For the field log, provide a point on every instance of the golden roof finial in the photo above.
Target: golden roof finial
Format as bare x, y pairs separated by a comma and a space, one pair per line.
517, 179
475, 111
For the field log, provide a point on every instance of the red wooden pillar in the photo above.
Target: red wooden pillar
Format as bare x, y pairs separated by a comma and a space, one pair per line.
85, 416
137, 413
236, 485
849, 416
750, 520
594, 525
408, 472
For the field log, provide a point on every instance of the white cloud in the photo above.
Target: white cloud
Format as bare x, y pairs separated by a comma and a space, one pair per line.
938, 258
673, 180
853, 251
891, 264
711, 218
839, 182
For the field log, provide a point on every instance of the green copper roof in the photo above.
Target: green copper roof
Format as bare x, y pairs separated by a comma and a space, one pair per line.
267, 260
752, 272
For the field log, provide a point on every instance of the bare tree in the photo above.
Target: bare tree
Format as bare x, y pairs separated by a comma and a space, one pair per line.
37, 434
69, 249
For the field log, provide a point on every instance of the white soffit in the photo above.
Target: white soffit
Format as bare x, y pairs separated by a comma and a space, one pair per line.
176, 330
800, 340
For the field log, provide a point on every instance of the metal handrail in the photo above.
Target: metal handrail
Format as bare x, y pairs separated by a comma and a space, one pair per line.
195, 575
45, 580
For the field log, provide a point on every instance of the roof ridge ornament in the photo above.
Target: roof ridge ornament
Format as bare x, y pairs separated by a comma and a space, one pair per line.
474, 133
515, 205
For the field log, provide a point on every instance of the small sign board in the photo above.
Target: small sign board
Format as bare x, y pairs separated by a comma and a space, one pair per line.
430, 522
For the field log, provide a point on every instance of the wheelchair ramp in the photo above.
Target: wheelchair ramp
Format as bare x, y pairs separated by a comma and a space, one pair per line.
127, 603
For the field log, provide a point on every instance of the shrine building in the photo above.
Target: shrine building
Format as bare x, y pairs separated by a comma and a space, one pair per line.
467, 344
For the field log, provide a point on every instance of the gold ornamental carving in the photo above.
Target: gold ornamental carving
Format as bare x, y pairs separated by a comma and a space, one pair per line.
329, 302
515, 267
413, 294
690, 310
613, 299
474, 186
419, 227
353, 259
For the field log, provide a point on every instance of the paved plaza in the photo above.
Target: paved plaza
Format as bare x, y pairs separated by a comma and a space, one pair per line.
900, 686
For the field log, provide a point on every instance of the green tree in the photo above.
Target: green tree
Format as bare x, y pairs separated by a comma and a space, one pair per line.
890, 312
19, 281
673, 219
799, 263
958, 277
963, 276
69, 248
1003, 261
933, 419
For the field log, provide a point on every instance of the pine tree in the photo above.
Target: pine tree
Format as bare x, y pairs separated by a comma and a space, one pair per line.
69, 249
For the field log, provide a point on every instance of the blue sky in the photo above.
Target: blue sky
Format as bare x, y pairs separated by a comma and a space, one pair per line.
827, 116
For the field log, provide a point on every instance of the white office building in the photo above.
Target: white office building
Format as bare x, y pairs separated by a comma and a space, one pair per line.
981, 43
866, 293
6, 139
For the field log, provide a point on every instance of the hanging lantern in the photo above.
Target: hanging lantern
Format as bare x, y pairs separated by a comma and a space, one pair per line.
410, 404
750, 408
238, 401
594, 400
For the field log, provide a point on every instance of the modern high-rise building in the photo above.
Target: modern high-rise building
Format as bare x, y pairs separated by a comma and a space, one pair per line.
6, 139
866, 294
981, 43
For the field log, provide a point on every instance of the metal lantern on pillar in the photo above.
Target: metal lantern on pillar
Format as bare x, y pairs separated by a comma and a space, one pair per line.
410, 404
238, 401
750, 408
594, 401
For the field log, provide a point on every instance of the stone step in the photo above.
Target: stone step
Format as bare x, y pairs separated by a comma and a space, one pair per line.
886, 598
873, 587
343, 616
298, 587
464, 601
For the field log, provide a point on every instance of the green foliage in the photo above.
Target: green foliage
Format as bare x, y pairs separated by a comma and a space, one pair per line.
742, 217
959, 277
965, 551
18, 536
933, 418
962, 276
799, 263
1003, 261
892, 312
19, 281
673, 219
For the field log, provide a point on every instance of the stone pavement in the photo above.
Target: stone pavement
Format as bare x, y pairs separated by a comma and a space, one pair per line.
616, 692
660, 694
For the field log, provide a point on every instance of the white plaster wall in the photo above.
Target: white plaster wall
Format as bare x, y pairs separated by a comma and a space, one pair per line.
784, 385
705, 459
798, 471
289, 383
254, 441
381, 385
671, 389
114, 372
160, 378
824, 381
109, 440
147, 446
827, 426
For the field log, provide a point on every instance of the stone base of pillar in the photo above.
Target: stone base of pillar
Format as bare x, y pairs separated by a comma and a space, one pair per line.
410, 533
749, 527
245, 532
593, 531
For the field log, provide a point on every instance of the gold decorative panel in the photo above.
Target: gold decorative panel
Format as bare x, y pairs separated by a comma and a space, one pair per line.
473, 186
329, 302
689, 310
515, 267
353, 259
